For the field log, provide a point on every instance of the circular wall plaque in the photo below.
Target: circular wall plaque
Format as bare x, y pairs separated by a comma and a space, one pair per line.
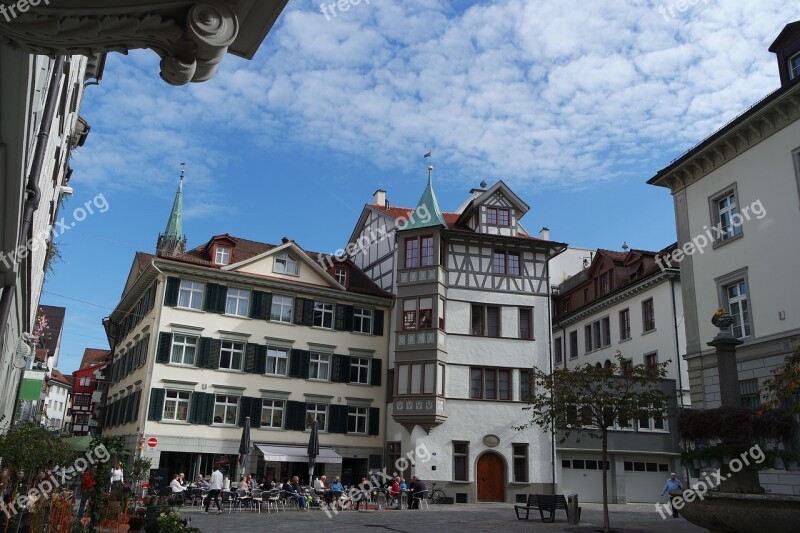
491, 440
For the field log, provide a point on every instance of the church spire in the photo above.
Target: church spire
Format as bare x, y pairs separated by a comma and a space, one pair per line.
427, 213
172, 241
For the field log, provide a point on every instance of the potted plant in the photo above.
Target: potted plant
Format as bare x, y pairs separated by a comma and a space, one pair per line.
722, 319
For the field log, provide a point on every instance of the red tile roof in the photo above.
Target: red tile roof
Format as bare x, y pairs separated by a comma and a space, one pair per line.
92, 356
56, 375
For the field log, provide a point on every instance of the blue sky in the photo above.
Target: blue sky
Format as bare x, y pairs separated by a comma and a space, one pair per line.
573, 104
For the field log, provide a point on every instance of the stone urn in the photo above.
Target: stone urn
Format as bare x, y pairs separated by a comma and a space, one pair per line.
723, 321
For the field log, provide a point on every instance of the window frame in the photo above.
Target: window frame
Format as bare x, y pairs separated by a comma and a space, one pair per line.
490, 377
625, 324
319, 360
222, 255
235, 294
484, 320
232, 351
195, 289
362, 316
272, 409
184, 344
501, 266
573, 344
357, 365
650, 360
793, 70
225, 404
323, 425
558, 350
421, 254
460, 460
360, 415
648, 305
340, 274
281, 304
520, 474
495, 216
529, 311
323, 310
273, 353
287, 262
716, 214
723, 284
177, 400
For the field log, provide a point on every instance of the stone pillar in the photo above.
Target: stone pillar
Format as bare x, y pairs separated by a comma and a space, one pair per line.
725, 344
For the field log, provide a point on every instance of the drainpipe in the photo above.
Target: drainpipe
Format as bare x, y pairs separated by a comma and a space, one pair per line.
550, 349
33, 194
677, 344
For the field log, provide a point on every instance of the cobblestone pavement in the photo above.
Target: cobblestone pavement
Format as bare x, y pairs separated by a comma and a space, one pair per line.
471, 518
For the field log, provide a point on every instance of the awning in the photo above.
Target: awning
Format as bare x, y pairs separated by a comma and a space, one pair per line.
296, 454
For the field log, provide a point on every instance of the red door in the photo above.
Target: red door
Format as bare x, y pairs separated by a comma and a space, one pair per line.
491, 478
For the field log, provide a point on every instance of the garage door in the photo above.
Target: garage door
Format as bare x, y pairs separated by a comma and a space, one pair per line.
584, 477
644, 478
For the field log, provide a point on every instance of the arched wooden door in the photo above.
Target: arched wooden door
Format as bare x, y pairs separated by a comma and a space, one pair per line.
491, 478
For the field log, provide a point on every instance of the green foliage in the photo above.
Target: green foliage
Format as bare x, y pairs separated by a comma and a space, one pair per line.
781, 390
587, 400
98, 505
29, 447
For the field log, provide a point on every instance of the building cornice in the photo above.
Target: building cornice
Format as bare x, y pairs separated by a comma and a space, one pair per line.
191, 37
773, 113
615, 297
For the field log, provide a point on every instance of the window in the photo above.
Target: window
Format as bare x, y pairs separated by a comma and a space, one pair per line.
737, 306
323, 315
520, 462
82, 399
648, 316
627, 367
359, 370
238, 302
651, 362
190, 294
272, 413
357, 420
505, 263
557, 350
624, 324
587, 338
225, 409
412, 252
318, 412
573, 344
423, 320
526, 384
526, 323
748, 392
409, 314
725, 215
490, 384
230, 355
319, 366
416, 378
566, 306
277, 360
460, 456
426, 258
393, 452
183, 349
657, 423
605, 283
498, 217
362, 320
341, 276
86, 381
491, 215
223, 255
281, 308
419, 251
485, 320
176, 405
285, 264
794, 66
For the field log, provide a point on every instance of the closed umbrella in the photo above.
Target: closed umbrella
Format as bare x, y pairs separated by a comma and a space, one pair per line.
313, 451
244, 445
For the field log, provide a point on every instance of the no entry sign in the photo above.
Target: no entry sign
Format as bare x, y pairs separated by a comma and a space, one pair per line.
152, 442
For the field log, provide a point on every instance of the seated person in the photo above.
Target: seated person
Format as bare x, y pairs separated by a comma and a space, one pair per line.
403, 485
394, 493
267, 483
176, 489
242, 484
292, 491
417, 491
336, 489
325, 490
201, 483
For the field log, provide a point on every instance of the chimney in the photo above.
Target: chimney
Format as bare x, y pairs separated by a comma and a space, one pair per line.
285, 240
544, 234
379, 197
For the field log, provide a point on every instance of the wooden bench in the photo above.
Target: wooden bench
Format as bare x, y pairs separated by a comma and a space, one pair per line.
543, 503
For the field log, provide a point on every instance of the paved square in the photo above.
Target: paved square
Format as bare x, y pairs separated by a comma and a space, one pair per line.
440, 518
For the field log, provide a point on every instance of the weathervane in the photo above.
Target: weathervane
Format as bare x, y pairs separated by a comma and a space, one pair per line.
429, 156
183, 169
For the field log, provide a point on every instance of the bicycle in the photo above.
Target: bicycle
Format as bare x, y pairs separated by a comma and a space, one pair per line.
436, 495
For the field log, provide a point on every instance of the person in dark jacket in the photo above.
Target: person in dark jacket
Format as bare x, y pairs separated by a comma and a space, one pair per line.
417, 489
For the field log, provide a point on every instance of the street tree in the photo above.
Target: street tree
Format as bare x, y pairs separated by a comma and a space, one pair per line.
588, 400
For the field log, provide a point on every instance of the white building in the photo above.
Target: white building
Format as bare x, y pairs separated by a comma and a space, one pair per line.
236, 328
622, 302
736, 209
57, 402
471, 319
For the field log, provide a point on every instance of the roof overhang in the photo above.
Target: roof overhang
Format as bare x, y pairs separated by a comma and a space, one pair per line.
297, 454
190, 37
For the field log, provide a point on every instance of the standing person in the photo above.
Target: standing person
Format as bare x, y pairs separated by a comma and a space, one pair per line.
213, 490
116, 474
673, 483
87, 482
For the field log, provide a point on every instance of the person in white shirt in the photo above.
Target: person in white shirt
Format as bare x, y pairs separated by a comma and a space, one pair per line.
175, 484
214, 489
116, 473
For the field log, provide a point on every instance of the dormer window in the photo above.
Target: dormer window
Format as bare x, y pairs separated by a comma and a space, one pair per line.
222, 256
341, 276
498, 217
794, 66
285, 264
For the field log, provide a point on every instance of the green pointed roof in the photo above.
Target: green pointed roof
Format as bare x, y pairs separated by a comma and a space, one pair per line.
430, 205
175, 223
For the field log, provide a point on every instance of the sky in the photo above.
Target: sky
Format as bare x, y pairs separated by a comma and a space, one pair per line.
575, 105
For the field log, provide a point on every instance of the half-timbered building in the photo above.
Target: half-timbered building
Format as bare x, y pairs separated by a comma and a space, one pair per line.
470, 320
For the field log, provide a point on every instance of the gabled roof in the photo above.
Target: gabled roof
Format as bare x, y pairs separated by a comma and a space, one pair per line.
790, 32
93, 356
505, 190
56, 375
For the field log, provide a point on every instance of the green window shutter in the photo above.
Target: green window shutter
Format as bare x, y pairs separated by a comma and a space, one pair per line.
337, 419
340, 368
222, 299
250, 353
295, 416
208, 410
338, 322
299, 304
156, 408
245, 404
260, 305
375, 372
138, 405
195, 407
261, 359
374, 422
214, 299
164, 347
214, 348
348, 317
203, 352
377, 324
171, 291
255, 413
129, 410
299, 361
308, 312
